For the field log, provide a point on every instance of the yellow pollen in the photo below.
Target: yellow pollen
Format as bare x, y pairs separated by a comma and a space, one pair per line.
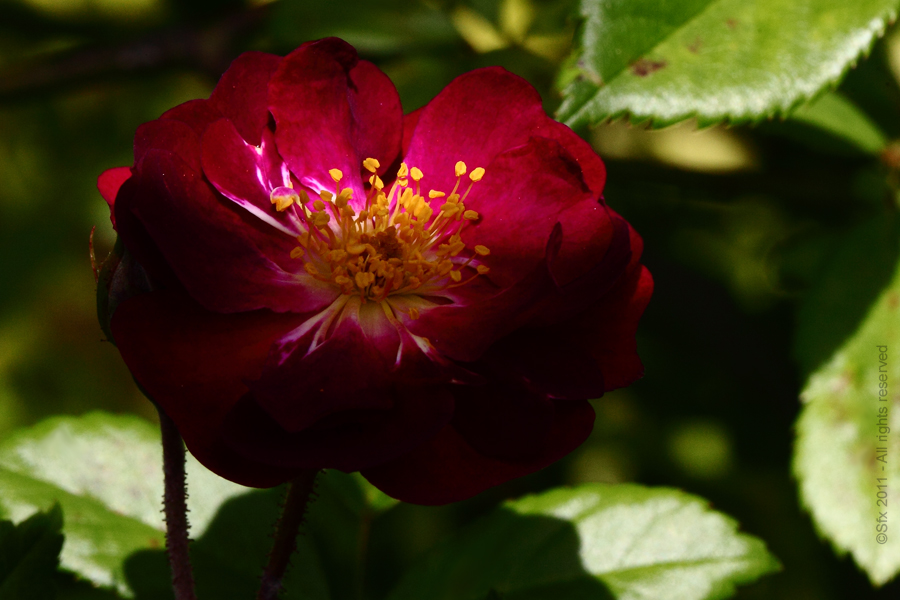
283, 198
393, 241
413, 313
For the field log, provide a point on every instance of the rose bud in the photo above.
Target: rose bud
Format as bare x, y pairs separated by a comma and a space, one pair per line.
315, 280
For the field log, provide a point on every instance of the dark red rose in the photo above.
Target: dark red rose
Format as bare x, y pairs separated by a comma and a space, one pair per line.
314, 280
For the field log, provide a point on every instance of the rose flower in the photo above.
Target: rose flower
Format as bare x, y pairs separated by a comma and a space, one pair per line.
311, 279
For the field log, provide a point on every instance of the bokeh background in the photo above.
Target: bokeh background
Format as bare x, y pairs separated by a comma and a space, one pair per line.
767, 243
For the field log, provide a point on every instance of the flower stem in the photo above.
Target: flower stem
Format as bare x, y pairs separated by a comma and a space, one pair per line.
286, 531
175, 501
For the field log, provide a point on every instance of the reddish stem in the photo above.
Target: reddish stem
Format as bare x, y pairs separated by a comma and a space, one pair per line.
175, 500
286, 531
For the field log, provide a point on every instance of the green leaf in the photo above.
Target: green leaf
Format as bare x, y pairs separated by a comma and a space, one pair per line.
593, 541
105, 472
844, 450
716, 60
29, 556
841, 118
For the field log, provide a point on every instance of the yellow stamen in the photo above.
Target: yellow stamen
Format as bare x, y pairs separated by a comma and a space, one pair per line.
398, 242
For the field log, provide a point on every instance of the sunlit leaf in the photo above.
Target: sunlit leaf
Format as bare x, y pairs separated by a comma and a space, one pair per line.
846, 456
594, 541
105, 471
716, 60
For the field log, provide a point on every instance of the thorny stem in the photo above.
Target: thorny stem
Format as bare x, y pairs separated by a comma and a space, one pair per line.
286, 532
175, 501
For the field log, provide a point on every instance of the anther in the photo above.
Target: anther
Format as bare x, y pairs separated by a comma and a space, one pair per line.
470, 215
460, 169
416, 174
477, 174
482, 250
371, 164
336, 174
436, 194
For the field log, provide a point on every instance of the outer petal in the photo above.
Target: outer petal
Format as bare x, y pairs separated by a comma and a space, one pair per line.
194, 363
109, 183
170, 135
448, 468
475, 118
609, 335
242, 92
208, 246
329, 112
349, 440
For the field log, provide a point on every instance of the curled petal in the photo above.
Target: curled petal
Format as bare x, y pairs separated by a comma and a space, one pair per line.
210, 247
323, 121
520, 204
242, 93
248, 174
108, 185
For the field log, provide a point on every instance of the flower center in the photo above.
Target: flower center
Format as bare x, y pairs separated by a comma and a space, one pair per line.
397, 244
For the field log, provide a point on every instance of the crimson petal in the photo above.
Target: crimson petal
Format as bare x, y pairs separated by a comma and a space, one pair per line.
350, 440
242, 93
193, 363
448, 468
323, 121
108, 184
208, 246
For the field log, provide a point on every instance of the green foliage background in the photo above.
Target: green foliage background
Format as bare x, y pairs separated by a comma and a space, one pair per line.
768, 244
